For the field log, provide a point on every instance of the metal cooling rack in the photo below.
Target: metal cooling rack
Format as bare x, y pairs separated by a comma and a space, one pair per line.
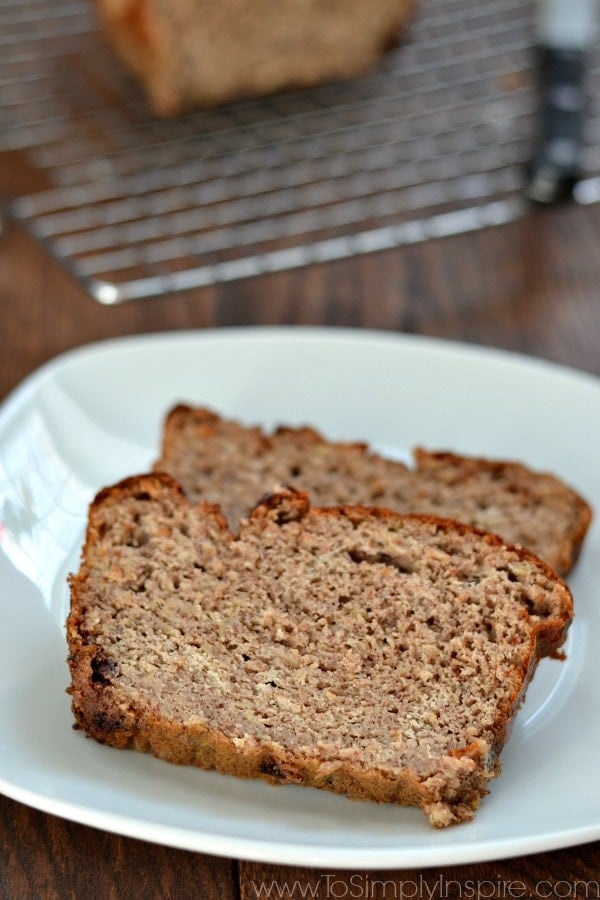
432, 143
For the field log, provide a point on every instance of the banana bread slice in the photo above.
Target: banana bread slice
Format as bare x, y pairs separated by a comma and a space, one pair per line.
376, 655
203, 52
227, 463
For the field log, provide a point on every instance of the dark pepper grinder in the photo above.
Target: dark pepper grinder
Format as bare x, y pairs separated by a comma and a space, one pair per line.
565, 31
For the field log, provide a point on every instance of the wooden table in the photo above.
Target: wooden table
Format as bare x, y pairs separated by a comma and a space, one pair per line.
533, 286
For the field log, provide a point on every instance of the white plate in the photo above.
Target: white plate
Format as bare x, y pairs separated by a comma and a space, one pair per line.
94, 415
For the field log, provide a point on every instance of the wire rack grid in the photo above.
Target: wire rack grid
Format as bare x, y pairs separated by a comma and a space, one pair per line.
432, 143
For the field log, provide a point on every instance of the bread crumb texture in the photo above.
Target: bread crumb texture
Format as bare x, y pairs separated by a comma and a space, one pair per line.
230, 464
376, 655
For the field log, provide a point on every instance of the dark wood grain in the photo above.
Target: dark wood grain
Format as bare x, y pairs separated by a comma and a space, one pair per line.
533, 286
43, 856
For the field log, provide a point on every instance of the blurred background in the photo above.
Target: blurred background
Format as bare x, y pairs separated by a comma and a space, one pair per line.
433, 142
402, 199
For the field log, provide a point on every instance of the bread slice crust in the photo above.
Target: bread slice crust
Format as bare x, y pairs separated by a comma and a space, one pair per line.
231, 464
236, 635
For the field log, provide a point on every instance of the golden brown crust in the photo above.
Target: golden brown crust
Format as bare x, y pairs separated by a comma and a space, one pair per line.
114, 718
136, 483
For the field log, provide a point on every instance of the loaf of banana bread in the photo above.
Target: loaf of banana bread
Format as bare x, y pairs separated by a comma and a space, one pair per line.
203, 52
